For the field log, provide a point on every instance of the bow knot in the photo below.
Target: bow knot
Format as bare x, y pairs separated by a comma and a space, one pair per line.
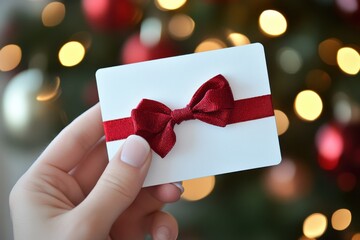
212, 103
182, 114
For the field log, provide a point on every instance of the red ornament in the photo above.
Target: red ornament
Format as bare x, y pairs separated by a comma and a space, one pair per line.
136, 51
111, 14
339, 152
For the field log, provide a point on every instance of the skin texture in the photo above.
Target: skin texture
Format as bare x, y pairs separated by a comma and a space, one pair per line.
73, 192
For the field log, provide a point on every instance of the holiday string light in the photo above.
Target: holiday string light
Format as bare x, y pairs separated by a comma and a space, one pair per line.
318, 79
199, 188
150, 32
166, 5
315, 225
289, 60
71, 54
341, 219
181, 26
272, 23
10, 57
348, 60
210, 44
238, 39
53, 14
282, 122
308, 105
356, 236
328, 49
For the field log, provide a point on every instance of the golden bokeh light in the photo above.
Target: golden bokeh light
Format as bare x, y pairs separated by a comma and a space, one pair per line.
282, 122
50, 93
210, 44
199, 188
272, 23
341, 219
308, 105
315, 225
169, 4
71, 54
238, 39
328, 49
348, 60
10, 57
53, 14
356, 236
181, 26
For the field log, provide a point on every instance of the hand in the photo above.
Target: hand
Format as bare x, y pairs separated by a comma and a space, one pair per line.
73, 192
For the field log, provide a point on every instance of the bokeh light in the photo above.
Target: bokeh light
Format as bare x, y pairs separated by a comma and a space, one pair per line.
169, 4
282, 122
210, 44
330, 146
150, 32
10, 57
50, 93
199, 188
290, 60
181, 26
53, 14
328, 49
348, 6
315, 225
348, 60
308, 105
83, 37
272, 23
343, 109
71, 54
356, 236
341, 219
238, 39
318, 79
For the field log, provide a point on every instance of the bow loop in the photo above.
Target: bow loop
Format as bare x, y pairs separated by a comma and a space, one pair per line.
212, 103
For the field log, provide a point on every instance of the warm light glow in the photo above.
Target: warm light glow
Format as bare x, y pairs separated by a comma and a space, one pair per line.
315, 225
272, 23
181, 26
71, 54
356, 236
330, 146
282, 122
290, 60
199, 188
53, 14
318, 79
348, 60
210, 44
238, 39
308, 105
328, 50
169, 4
51, 93
341, 219
10, 57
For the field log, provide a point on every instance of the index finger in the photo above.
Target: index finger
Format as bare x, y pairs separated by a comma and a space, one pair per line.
74, 141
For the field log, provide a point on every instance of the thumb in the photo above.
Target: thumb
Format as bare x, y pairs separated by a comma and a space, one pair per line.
118, 186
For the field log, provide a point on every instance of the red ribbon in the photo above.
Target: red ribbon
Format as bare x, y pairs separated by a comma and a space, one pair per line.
212, 103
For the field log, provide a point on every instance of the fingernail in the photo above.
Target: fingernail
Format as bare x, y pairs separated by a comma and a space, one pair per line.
135, 151
162, 233
179, 186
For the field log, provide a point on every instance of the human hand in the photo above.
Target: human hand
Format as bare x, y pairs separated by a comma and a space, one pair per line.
73, 192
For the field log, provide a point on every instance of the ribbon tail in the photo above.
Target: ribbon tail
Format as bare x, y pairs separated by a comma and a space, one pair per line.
251, 109
118, 129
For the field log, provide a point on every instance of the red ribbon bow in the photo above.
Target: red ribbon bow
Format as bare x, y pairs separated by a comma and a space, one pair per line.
212, 103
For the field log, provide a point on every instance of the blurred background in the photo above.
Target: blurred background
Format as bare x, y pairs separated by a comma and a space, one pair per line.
50, 50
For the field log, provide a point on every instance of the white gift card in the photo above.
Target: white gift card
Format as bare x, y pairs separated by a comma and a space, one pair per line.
201, 149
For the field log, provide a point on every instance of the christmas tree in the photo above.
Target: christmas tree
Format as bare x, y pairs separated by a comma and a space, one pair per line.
50, 51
